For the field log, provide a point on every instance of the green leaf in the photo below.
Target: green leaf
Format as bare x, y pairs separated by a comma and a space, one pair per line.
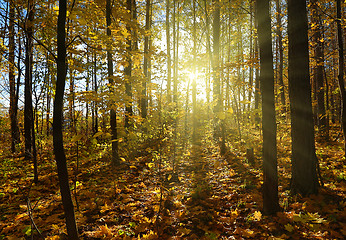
132, 224
76, 138
289, 227
27, 230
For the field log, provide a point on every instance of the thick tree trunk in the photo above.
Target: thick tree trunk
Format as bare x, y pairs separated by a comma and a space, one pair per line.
216, 57
57, 126
270, 175
304, 161
341, 71
113, 116
11, 77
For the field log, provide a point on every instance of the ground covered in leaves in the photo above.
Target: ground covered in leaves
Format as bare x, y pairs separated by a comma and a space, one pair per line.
206, 196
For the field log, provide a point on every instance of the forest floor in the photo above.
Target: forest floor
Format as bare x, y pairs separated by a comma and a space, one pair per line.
206, 197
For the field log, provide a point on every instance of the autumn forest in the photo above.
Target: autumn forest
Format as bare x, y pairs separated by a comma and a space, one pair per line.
172, 119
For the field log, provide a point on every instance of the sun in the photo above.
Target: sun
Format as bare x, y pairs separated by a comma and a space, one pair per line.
192, 76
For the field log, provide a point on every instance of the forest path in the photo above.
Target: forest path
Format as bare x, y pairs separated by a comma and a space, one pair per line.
214, 198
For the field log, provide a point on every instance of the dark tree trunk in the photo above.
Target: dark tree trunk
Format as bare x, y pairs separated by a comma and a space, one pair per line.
304, 161
48, 95
15, 138
95, 125
216, 57
341, 71
270, 175
57, 126
128, 71
280, 57
28, 111
113, 116
318, 71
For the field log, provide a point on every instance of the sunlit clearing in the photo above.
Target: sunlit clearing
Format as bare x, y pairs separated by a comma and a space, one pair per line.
192, 76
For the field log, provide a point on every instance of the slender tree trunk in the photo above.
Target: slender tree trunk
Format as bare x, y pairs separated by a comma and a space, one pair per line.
304, 161
318, 70
48, 96
15, 138
95, 110
207, 79
19, 59
280, 57
57, 126
194, 71
176, 57
28, 111
113, 116
251, 56
144, 99
257, 80
71, 100
128, 71
270, 174
87, 82
341, 71
169, 64
216, 73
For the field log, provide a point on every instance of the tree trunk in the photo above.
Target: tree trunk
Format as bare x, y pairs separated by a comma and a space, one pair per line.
341, 71
48, 96
270, 175
113, 116
95, 109
169, 64
194, 73
57, 125
251, 56
128, 71
15, 138
176, 53
318, 70
28, 111
216, 74
280, 57
207, 78
144, 99
304, 161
